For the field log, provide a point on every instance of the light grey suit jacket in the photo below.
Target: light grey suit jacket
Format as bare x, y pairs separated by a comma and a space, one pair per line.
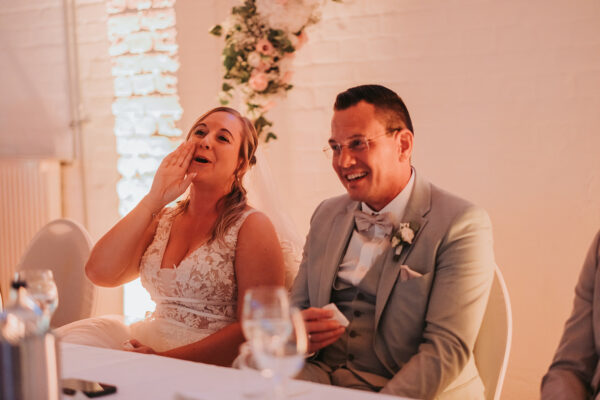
575, 370
425, 328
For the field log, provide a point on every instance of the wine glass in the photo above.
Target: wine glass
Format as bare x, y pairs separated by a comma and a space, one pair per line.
254, 383
42, 289
266, 310
281, 357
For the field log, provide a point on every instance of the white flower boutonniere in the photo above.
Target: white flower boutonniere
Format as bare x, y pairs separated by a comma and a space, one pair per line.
404, 235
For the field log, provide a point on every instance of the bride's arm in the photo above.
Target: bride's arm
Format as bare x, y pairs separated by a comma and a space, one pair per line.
115, 259
258, 261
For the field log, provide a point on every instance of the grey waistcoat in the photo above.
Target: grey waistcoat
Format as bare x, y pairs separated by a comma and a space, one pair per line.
354, 350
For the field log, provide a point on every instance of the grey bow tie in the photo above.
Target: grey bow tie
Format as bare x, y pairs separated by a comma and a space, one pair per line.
365, 221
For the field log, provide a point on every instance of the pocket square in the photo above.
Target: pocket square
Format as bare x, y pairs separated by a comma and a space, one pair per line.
406, 274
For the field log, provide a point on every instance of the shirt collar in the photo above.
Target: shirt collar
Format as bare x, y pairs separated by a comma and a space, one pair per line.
397, 206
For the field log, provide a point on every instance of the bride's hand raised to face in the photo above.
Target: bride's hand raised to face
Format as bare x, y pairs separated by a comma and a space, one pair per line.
171, 180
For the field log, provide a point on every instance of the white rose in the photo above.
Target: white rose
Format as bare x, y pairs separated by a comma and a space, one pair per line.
254, 59
290, 17
407, 234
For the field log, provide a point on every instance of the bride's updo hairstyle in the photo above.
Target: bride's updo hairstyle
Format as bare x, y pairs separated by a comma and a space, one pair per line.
232, 205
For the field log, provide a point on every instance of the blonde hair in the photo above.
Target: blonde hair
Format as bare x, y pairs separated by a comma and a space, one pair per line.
232, 205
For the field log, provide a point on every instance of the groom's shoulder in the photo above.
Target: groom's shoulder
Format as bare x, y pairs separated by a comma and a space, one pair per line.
448, 199
332, 205
447, 205
342, 200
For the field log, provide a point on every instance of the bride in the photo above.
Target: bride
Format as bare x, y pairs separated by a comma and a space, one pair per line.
196, 259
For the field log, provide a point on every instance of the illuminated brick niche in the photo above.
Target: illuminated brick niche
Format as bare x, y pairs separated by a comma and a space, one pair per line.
143, 53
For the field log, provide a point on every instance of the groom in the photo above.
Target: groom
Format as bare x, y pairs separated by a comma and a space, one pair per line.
412, 280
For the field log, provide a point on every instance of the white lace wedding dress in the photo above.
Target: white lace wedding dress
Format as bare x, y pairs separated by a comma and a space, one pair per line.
193, 300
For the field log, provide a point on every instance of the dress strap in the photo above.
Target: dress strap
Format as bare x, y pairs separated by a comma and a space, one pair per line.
246, 214
165, 218
234, 230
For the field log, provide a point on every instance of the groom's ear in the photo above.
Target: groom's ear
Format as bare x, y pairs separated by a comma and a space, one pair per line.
404, 144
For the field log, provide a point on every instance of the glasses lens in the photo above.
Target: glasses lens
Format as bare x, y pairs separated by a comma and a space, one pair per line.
359, 144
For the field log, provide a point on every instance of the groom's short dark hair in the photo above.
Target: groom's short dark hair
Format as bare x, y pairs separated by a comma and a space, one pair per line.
386, 101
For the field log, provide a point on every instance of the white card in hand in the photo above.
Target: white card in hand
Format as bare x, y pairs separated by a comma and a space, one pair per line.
337, 314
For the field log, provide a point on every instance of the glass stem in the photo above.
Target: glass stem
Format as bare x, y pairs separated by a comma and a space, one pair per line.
278, 387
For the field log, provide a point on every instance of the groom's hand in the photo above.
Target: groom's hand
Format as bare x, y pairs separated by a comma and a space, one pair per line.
321, 328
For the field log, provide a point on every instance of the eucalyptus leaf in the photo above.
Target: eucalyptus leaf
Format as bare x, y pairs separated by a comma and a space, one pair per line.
216, 30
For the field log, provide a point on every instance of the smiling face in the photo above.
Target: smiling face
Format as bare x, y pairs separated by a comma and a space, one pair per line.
217, 138
375, 175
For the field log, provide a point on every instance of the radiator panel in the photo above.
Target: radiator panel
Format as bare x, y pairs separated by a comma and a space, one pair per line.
30, 197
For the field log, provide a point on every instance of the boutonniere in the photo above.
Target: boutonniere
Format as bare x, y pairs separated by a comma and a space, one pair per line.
404, 235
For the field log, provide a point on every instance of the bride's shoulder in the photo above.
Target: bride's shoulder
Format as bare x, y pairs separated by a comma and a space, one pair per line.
255, 222
258, 250
252, 217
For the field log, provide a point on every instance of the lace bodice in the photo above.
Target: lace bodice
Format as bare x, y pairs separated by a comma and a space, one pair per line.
199, 293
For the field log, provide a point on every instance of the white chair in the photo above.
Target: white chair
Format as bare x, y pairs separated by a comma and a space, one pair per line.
63, 246
493, 342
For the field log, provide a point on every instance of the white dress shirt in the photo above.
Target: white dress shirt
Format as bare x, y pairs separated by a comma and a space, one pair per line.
364, 248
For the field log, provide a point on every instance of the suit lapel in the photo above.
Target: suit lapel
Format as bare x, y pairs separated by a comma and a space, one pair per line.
341, 229
418, 205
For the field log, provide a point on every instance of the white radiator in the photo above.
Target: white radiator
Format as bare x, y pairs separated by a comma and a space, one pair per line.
30, 197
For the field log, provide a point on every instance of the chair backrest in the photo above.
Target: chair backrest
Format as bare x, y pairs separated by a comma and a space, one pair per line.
493, 342
63, 246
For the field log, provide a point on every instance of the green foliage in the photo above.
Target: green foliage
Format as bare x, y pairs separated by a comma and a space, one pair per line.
258, 70
216, 30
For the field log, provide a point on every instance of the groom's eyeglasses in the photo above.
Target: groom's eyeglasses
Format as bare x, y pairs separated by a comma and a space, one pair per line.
356, 145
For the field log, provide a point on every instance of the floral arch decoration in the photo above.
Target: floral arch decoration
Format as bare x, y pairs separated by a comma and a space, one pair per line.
261, 37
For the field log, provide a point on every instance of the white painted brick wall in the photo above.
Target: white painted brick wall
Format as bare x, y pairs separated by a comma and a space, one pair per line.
97, 94
33, 77
504, 97
143, 51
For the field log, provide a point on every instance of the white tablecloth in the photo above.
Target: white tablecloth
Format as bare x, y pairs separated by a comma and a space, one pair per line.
142, 376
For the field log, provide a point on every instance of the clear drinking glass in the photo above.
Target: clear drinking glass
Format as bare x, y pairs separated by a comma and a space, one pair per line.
283, 355
266, 311
254, 384
279, 353
42, 289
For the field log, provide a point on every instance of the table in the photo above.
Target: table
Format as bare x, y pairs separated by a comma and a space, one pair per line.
144, 376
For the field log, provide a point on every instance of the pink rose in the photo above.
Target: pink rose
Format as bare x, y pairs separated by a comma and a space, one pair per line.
265, 47
258, 81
